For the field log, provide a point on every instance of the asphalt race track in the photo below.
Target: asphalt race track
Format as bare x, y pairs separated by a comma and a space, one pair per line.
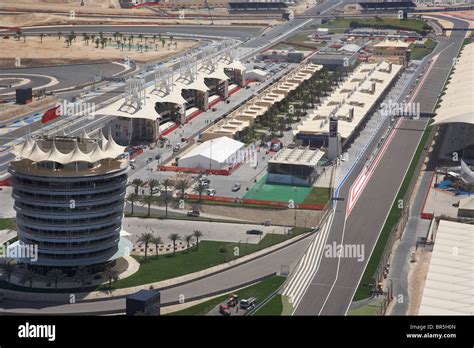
332, 288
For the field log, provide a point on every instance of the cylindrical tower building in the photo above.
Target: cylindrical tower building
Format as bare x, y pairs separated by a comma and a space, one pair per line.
69, 197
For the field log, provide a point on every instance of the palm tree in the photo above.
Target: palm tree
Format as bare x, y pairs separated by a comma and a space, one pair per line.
59, 35
29, 276
199, 188
132, 198
163, 42
148, 200
54, 275
197, 234
174, 237
41, 37
281, 125
182, 185
166, 183
81, 275
140, 37
8, 269
152, 184
157, 241
137, 183
97, 42
188, 238
111, 274
171, 38
145, 238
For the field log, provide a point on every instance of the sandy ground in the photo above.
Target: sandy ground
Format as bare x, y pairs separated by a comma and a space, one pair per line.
37, 19
53, 51
302, 6
12, 111
42, 12
417, 278
90, 6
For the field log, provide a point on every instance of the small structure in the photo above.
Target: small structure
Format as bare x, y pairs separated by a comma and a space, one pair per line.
294, 166
393, 51
466, 207
143, 302
214, 154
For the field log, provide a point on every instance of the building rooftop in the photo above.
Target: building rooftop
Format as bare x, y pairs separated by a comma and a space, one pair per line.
392, 43
297, 156
262, 102
355, 93
457, 104
449, 286
219, 149
67, 149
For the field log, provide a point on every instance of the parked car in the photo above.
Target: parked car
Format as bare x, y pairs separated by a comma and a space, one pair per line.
255, 232
157, 157
211, 192
236, 187
248, 303
224, 310
193, 213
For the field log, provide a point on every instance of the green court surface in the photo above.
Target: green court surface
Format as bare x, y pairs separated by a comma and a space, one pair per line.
278, 193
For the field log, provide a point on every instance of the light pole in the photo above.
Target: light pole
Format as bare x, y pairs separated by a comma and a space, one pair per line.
296, 197
210, 156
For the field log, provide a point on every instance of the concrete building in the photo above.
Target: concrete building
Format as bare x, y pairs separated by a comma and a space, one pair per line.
292, 56
294, 166
393, 51
449, 285
238, 121
215, 154
174, 96
257, 75
466, 207
456, 110
69, 198
334, 59
350, 103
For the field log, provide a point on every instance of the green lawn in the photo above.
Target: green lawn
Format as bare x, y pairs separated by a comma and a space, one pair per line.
407, 24
167, 266
7, 223
305, 39
260, 291
273, 307
371, 309
318, 195
208, 254
278, 193
363, 290
418, 53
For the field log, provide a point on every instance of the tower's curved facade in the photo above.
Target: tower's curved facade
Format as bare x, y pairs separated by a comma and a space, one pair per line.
69, 197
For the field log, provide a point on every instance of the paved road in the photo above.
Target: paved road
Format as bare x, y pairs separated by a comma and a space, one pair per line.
221, 281
67, 75
332, 288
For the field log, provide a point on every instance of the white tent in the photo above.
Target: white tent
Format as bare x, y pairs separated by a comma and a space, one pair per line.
212, 154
